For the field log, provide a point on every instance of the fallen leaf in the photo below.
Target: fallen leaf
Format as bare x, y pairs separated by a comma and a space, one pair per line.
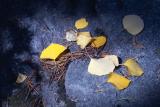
118, 81
98, 41
52, 51
83, 39
21, 78
133, 24
100, 66
71, 35
81, 23
133, 67
113, 58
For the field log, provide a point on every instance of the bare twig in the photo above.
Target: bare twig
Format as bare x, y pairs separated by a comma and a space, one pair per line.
58, 70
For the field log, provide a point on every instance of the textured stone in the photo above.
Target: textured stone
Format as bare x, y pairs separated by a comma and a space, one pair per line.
107, 18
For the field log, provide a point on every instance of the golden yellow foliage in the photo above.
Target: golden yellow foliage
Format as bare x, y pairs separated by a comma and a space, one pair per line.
133, 67
98, 41
118, 81
52, 51
81, 23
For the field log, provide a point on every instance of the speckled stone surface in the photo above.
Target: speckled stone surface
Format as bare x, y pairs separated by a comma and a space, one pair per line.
106, 16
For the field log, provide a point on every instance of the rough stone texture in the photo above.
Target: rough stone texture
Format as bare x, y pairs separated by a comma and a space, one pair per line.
47, 23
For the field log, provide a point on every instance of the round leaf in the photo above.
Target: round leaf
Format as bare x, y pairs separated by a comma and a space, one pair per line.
133, 24
81, 23
98, 41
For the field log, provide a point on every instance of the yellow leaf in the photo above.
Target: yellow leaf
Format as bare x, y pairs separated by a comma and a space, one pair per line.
118, 81
21, 78
98, 41
83, 39
100, 66
133, 67
52, 51
81, 23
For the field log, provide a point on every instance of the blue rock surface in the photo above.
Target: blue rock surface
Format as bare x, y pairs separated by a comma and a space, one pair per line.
81, 86
48, 23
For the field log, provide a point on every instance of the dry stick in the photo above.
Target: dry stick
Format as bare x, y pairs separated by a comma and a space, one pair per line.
59, 66
32, 87
29, 85
87, 53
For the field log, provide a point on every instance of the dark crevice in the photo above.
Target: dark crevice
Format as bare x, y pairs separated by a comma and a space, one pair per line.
9, 65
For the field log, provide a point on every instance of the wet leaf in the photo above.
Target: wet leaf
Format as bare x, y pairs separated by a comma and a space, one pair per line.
133, 67
21, 78
81, 23
83, 39
118, 81
133, 24
113, 58
71, 35
52, 51
100, 66
98, 41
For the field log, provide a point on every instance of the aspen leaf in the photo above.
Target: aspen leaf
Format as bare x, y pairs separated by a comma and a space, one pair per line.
113, 58
100, 66
71, 35
21, 78
52, 51
98, 41
83, 39
133, 24
81, 23
118, 81
133, 67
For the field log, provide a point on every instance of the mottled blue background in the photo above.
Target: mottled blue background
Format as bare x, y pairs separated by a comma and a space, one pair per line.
23, 35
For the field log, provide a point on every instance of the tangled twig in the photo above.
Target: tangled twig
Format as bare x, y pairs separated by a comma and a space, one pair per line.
30, 91
58, 68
